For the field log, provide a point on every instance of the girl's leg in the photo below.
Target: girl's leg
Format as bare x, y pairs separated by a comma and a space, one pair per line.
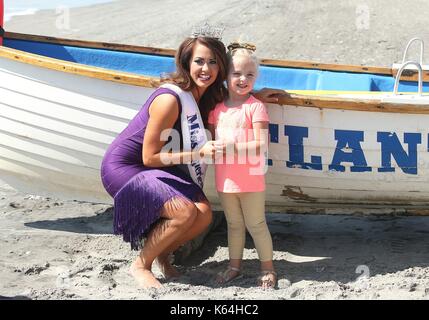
253, 204
200, 224
177, 217
236, 234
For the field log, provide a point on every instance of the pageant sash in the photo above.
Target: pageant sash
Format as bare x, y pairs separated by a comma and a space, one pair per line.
193, 131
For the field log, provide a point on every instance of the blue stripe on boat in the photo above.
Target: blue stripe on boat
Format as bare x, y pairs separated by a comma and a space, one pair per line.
272, 77
144, 64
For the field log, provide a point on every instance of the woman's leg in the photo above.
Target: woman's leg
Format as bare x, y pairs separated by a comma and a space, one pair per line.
178, 216
200, 224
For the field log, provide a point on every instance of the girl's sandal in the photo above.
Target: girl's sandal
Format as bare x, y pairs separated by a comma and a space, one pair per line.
231, 273
265, 280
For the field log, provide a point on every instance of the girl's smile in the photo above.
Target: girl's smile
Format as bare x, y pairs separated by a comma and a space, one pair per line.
241, 77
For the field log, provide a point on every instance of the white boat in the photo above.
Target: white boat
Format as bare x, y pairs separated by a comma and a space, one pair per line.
341, 141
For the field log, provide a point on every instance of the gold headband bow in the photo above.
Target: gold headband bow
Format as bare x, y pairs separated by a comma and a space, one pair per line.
237, 45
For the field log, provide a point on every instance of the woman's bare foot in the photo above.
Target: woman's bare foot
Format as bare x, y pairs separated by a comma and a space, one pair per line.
143, 276
169, 271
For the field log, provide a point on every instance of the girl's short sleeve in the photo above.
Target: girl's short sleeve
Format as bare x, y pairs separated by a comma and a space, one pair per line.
259, 112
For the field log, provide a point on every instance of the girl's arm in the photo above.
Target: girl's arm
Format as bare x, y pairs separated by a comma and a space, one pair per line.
164, 112
260, 143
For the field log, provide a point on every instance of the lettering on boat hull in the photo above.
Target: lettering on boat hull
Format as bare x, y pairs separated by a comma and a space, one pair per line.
348, 149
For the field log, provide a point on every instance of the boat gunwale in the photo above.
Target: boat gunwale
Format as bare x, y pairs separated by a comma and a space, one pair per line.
297, 100
408, 75
171, 52
89, 44
78, 68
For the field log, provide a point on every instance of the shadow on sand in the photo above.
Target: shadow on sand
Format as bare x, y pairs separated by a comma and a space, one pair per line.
325, 248
306, 247
101, 223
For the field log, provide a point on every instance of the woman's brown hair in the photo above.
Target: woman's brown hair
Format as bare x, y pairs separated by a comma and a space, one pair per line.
216, 92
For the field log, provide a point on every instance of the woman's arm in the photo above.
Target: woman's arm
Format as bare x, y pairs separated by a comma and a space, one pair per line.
211, 129
164, 112
268, 95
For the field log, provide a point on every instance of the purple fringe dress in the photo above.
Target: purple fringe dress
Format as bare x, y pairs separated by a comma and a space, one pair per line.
140, 192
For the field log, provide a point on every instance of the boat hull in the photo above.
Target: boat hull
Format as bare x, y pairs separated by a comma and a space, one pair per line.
55, 127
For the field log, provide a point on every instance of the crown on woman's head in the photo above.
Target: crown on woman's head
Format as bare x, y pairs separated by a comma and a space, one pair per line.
241, 45
208, 31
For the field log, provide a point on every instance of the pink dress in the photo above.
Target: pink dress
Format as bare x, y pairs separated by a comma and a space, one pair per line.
246, 172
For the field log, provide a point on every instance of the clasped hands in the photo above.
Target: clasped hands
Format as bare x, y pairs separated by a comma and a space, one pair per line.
216, 149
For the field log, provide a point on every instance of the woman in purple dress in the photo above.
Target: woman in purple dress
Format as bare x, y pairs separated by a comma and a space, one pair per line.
153, 199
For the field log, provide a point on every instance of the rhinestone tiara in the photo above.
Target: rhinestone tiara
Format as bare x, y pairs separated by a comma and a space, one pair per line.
208, 31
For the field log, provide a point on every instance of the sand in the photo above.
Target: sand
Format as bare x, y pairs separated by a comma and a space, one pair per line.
55, 249
347, 31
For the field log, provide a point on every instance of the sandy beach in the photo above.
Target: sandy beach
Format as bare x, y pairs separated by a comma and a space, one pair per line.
53, 249
348, 31
56, 249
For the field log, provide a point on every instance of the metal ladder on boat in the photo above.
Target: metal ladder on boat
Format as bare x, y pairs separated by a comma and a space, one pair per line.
396, 66
418, 98
409, 67
401, 69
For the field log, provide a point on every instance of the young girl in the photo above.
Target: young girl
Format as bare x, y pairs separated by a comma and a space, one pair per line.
240, 125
